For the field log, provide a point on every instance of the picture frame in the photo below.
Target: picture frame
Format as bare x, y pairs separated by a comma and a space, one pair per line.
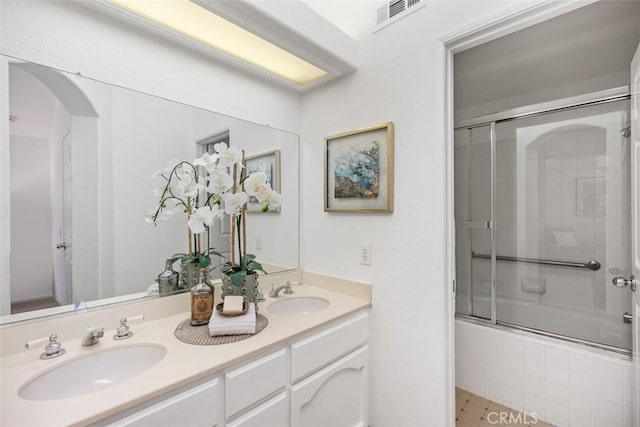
358, 170
268, 163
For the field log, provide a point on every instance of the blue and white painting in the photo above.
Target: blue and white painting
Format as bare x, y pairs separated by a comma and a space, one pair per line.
357, 171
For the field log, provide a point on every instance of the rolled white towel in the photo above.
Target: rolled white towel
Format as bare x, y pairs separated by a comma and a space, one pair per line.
233, 325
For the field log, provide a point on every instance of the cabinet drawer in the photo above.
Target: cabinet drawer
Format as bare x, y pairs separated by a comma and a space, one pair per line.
318, 350
254, 381
272, 413
193, 407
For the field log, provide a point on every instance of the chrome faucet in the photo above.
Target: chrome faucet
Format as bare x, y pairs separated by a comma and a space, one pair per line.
92, 336
287, 290
53, 349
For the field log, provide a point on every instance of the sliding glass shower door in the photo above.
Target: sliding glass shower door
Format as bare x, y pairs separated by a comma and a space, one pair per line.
547, 221
473, 210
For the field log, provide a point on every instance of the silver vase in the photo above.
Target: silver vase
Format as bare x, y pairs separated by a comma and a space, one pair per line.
248, 288
190, 274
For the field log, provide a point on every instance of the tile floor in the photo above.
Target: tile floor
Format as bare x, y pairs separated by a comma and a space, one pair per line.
476, 411
21, 307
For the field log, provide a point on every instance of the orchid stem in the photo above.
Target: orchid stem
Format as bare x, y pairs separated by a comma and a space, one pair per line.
233, 228
241, 261
243, 219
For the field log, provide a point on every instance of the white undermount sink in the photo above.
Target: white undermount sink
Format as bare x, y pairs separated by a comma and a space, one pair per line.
297, 305
93, 372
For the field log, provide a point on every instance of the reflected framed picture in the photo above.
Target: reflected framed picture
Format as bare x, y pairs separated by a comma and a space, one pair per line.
358, 170
269, 164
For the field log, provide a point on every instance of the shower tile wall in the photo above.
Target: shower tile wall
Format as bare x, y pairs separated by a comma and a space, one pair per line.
564, 385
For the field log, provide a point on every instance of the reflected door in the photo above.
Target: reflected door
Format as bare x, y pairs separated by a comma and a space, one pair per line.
65, 285
219, 236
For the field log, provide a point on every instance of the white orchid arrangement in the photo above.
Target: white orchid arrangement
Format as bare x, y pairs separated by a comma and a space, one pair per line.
206, 190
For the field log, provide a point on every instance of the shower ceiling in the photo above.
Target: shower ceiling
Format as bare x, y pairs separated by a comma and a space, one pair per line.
590, 47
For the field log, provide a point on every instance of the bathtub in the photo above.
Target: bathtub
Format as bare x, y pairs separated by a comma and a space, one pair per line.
563, 383
573, 325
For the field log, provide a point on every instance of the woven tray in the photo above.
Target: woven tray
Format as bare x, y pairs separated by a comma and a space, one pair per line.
199, 335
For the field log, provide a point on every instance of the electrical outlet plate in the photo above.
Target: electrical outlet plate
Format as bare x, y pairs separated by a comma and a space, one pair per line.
365, 253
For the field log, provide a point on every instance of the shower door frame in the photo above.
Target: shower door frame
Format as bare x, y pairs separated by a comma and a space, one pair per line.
510, 20
595, 98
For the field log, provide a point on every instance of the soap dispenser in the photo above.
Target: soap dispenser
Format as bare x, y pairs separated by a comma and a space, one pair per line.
201, 301
169, 279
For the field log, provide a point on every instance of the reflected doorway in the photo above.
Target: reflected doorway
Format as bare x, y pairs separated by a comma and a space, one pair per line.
218, 236
40, 194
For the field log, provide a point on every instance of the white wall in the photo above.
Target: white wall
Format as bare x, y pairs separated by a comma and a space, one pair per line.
145, 134
31, 260
399, 80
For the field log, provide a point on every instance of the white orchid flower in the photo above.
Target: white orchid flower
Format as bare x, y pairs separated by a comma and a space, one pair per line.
229, 156
166, 171
219, 182
204, 216
148, 215
233, 202
269, 199
182, 189
158, 192
163, 215
208, 161
185, 184
256, 183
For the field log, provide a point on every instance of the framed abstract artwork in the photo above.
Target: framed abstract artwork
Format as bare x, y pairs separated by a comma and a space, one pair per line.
269, 164
358, 170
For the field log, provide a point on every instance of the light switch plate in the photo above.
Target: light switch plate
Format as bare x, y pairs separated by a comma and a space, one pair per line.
365, 253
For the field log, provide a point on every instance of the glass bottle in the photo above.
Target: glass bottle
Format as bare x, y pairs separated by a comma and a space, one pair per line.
201, 301
168, 280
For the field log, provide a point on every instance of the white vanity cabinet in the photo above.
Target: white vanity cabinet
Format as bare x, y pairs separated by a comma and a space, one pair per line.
316, 381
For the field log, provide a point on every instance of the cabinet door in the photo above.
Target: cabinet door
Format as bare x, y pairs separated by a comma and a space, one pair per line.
335, 396
272, 413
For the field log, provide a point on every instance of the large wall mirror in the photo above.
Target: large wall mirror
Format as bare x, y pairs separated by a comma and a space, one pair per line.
82, 156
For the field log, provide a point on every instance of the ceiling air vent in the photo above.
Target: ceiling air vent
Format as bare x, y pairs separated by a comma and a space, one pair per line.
396, 7
394, 10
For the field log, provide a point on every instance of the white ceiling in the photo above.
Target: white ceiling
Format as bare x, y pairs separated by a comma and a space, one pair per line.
593, 43
354, 17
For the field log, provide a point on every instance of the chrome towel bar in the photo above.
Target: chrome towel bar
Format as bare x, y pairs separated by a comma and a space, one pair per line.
589, 265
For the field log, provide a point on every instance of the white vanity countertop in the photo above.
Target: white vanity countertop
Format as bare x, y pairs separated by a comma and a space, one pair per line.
182, 363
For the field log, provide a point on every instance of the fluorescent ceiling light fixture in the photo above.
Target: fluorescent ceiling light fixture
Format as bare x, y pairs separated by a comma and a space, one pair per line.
200, 24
